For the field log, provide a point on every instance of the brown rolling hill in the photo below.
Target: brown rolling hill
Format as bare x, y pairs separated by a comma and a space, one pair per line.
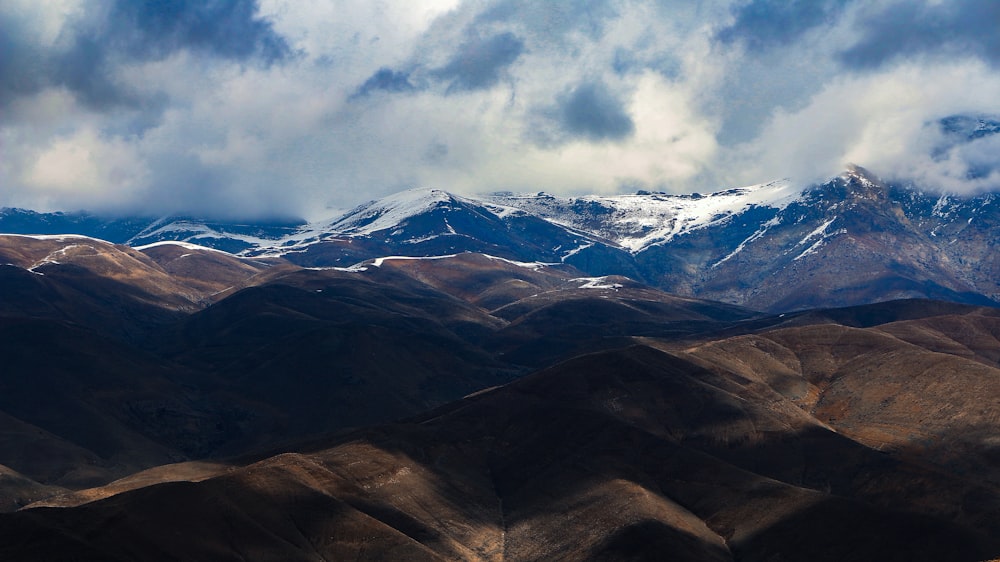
551, 312
928, 388
79, 409
181, 403
627, 454
114, 289
209, 272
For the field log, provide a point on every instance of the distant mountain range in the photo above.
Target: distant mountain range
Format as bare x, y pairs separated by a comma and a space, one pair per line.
772, 247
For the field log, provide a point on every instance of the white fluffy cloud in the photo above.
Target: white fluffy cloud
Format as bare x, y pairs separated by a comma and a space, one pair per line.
282, 107
888, 121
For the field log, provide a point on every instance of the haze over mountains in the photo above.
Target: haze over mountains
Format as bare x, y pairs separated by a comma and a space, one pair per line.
510, 377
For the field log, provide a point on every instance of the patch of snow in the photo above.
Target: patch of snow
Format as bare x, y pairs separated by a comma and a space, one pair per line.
424, 238
185, 245
939, 206
356, 268
149, 229
377, 262
576, 250
818, 244
819, 231
504, 211
59, 237
533, 265
597, 283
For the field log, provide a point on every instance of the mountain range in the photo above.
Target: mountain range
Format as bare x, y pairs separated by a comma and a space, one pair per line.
773, 247
772, 372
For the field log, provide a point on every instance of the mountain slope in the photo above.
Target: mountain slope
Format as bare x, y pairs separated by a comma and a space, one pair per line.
844, 242
432, 222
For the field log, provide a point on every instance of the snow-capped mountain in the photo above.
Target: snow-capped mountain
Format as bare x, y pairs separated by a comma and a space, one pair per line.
773, 246
636, 222
231, 237
852, 239
429, 222
141, 230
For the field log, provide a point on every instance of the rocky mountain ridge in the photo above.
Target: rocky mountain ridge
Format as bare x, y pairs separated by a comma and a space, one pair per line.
774, 246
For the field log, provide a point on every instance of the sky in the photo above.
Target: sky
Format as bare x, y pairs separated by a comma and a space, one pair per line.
278, 108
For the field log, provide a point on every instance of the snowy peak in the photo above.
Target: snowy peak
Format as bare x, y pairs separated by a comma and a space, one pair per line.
862, 177
417, 216
638, 221
862, 184
392, 211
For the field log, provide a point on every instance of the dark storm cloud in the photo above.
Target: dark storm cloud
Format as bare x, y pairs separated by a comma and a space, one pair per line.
480, 62
22, 66
86, 71
153, 29
134, 30
386, 80
593, 112
764, 24
956, 27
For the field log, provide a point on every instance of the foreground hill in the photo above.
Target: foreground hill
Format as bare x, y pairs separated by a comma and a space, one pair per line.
625, 454
108, 370
477, 407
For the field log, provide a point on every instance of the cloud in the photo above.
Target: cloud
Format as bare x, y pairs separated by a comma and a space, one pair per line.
591, 110
554, 20
286, 107
889, 121
903, 30
386, 80
92, 44
766, 24
671, 143
480, 62
153, 29
76, 167
20, 72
